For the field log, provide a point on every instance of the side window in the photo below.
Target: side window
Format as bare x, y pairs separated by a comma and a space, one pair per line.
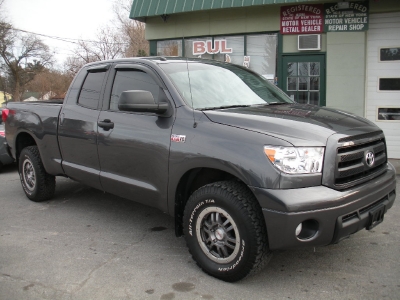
132, 80
91, 90
75, 88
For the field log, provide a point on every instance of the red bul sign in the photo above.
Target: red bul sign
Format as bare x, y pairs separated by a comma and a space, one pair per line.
203, 47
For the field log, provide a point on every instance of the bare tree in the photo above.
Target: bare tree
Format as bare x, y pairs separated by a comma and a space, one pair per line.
108, 45
127, 39
132, 30
50, 83
21, 57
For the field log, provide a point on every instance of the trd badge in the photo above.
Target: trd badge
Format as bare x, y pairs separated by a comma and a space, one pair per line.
178, 138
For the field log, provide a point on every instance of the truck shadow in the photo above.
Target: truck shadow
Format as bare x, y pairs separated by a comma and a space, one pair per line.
8, 169
111, 218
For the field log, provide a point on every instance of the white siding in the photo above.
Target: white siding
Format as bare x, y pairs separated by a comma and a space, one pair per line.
384, 32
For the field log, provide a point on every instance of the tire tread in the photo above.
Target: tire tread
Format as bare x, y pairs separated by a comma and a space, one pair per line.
45, 182
239, 192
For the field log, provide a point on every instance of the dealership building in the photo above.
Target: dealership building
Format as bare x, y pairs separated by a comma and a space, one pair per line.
343, 54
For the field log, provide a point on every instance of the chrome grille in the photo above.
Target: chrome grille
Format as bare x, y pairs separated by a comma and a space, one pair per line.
345, 159
351, 164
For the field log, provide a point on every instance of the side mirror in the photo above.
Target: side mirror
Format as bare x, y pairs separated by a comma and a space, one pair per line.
140, 101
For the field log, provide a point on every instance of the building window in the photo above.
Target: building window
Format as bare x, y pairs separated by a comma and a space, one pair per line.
389, 84
262, 50
235, 44
255, 51
303, 82
192, 48
169, 48
389, 113
389, 54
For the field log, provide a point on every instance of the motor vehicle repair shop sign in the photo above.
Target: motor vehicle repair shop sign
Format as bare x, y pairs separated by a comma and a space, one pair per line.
328, 17
351, 17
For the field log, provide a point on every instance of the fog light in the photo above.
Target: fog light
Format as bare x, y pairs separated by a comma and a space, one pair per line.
307, 230
299, 228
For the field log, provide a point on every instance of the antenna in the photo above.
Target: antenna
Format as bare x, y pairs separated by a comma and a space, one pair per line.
190, 85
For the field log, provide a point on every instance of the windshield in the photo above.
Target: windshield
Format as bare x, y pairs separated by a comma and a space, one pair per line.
222, 85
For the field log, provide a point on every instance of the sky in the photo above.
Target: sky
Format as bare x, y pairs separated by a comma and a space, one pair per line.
75, 19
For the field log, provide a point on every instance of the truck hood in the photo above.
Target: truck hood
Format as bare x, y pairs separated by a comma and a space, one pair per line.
300, 125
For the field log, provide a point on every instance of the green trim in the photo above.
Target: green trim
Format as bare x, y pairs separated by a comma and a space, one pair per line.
149, 8
304, 53
279, 61
153, 48
304, 57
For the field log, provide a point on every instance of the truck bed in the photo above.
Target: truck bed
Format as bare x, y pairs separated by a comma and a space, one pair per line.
40, 120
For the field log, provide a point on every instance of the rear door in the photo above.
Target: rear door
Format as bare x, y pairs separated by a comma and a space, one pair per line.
77, 132
134, 149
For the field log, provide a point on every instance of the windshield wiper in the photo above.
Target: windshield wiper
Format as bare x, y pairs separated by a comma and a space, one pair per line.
222, 107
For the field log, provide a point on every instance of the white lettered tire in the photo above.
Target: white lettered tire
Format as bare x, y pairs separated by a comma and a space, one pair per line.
225, 230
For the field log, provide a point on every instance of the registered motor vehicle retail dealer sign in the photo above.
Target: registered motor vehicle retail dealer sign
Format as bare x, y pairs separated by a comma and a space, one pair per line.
346, 16
328, 17
302, 19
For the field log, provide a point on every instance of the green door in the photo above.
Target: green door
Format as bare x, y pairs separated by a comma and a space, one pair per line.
304, 78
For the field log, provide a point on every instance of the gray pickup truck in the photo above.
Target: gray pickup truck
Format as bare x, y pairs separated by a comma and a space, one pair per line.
242, 168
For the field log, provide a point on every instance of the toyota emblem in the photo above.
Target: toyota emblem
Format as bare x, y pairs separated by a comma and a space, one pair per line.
370, 158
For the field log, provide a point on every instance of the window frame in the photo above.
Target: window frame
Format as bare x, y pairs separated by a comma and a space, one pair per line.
129, 65
386, 91
386, 61
386, 121
95, 69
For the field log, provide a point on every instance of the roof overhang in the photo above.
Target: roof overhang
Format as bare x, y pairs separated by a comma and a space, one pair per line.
150, 8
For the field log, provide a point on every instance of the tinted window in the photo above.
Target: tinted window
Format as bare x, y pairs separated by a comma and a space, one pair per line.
389, 113
91, 89
132, 80
389, 54
389, 84
75, 87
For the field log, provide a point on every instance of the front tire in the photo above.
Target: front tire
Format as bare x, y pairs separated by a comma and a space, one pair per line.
38, 185
225, 231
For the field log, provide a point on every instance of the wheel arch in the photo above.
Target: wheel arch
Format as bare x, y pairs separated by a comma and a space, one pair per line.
23, 140
192, 180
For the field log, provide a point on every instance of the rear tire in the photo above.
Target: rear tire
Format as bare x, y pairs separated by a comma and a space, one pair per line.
225, 231
38, 185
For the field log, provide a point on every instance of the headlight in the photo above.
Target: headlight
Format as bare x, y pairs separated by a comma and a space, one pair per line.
296, 160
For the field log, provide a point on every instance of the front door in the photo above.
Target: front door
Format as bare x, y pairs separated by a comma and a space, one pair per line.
304, 78
134, 148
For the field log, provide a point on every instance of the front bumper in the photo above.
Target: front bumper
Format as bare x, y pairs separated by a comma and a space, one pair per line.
337, 214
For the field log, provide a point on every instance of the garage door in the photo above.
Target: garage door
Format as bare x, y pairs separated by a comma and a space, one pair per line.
383, 77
